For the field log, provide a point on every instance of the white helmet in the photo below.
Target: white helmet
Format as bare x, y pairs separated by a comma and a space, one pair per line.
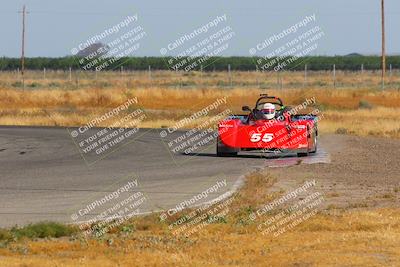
267, 110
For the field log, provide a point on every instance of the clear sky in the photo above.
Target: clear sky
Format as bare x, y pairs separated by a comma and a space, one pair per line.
54, 27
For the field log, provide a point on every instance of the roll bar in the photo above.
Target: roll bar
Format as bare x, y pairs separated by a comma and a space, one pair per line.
266, 96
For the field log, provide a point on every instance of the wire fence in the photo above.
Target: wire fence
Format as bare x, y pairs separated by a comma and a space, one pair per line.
75, 79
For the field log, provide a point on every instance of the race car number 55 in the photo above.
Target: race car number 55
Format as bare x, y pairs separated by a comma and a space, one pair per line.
256, 137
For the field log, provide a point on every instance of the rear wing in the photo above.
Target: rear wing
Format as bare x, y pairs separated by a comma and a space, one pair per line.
304, 117
298, 117
241, 117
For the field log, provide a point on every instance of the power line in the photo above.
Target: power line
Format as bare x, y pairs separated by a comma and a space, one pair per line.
75, 13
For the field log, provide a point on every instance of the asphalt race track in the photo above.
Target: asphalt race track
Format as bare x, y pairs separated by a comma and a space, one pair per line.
43, 175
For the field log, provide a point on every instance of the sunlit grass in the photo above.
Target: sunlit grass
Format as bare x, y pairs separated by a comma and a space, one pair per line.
330, 238
356, 110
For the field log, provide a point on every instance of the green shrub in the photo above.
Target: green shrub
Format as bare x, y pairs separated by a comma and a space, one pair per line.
342, 131
363, 104
54, 84
17, 84
187, 83
33, 85
43, 230
5, 235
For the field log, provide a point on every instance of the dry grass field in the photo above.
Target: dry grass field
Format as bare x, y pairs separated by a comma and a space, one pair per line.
356, 106
332, 237
329, 238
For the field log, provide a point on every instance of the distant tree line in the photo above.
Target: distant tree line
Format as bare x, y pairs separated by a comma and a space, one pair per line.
215, 63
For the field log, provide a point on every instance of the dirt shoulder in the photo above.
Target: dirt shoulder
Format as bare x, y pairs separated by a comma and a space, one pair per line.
364, 172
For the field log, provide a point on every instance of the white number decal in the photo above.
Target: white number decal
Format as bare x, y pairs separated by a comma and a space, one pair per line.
268, 137
256, 137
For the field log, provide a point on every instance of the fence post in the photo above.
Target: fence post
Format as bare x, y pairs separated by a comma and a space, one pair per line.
305, 74
149, 72
229, 74
70, 74
201, 74
77, 78
257, 80
334, 75
178, 77
361, 76
277, 79
44, 73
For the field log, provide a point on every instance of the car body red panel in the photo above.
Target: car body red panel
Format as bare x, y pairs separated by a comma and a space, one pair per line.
265, 134
286, 132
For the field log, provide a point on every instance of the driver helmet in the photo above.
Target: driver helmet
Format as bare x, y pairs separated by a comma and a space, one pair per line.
267, 110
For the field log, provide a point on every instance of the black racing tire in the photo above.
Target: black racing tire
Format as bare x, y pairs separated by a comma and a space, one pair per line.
224, 154
316, 144
302, 154
223, 151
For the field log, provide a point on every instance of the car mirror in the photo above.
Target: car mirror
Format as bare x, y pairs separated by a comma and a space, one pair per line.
246, 108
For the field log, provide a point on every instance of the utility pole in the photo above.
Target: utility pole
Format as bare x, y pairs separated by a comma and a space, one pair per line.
23, 46
383, 43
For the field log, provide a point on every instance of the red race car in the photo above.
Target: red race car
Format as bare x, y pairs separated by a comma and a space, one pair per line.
269, 127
